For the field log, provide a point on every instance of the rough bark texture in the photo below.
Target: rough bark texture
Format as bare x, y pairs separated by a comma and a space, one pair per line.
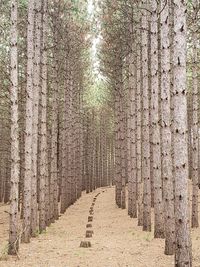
183, 246
14, 227
167, 176
117, 151
122, 149
54, 132
139, 130
43, 131
156, 150
145, 126
132, 125
36, 94
195, 134
29, 123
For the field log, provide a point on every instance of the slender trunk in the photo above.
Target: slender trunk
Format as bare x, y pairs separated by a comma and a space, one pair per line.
54, 142
156, 149
195, 134
167, 175
29, 122
117, 152
183, 243
139, 129
132, 125
123, 151
43, 168
15, 168
36, 81
145, 126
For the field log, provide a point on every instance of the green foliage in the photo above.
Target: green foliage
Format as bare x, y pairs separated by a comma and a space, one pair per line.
96, 94
23, 3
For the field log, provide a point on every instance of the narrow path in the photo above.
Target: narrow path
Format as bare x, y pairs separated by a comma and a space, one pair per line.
117, 240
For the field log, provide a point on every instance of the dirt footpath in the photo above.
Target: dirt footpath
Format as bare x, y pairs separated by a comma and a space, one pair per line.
117, 240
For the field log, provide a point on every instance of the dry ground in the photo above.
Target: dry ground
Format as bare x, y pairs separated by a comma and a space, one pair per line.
117, 240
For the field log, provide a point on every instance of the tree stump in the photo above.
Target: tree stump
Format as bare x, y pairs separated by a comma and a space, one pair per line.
85, 244
90, 218
89, 234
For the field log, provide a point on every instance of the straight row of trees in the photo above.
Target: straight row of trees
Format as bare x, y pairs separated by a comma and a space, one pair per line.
50, 86
144, 47
61, 144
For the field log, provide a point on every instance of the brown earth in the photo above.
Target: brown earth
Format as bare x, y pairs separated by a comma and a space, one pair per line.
117, 240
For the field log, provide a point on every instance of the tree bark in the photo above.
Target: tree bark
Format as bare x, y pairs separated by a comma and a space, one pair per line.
145, 126
132, 126
139, 129
15, 168
195, 133
166, 135
183, 244
43, 168
36, 95
29, 123
156, 149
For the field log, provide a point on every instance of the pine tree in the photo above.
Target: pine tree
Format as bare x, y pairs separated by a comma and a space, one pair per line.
166, 135
14, 220
145, 125
181, 170
29, 123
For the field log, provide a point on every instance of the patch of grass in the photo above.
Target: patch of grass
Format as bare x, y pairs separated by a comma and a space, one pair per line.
131, 232
37, 233
4, 253
43, 232
80, 252
148, 237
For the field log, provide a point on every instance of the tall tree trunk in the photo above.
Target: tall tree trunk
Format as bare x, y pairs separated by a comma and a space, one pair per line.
139, 129
195, 133
156, 150
117, 151
29, 123
43, 169
54, 137
15, 168
122, 150
183, 244
166, 139
36, 95
55, 134
132, 126
145, 126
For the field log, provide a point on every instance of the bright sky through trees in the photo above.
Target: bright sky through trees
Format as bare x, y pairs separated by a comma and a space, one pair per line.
95, 38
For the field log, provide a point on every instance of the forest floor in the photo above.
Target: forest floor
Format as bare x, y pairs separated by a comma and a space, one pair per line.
117, 240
